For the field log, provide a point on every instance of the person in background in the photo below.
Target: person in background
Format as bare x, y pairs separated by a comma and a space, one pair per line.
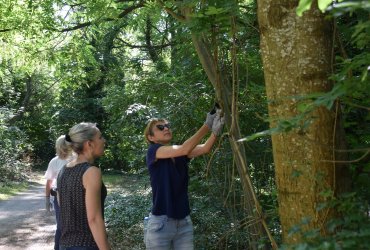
169, 224
63, 156
81, 192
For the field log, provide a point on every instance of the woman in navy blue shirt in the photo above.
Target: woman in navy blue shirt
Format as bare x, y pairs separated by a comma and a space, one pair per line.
169, 223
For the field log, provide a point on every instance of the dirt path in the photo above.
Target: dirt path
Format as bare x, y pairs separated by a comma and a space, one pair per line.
24, 222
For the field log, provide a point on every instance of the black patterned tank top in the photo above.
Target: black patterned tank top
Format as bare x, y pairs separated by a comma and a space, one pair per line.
73, 216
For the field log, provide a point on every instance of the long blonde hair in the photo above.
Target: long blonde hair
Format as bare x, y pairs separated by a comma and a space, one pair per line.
61, 148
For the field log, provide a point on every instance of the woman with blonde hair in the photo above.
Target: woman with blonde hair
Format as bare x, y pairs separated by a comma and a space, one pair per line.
81, 192
63, 156
169, 225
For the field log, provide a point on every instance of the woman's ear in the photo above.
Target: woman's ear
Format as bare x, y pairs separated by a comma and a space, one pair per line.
87, 144
150, 138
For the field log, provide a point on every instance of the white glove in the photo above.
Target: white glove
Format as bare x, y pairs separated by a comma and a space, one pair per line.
218, 123
209, 119
48, 204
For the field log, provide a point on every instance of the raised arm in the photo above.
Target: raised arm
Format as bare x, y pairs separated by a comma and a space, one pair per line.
185, 148
205, 148
92, 182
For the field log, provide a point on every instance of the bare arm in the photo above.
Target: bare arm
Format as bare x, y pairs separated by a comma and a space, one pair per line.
48, 187
203, 148
185, 148
92, 182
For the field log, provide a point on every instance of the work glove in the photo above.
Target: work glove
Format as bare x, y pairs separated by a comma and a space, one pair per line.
48, 204
209, 120
218, 123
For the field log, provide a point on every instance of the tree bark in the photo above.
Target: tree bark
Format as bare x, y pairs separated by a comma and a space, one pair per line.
297, 55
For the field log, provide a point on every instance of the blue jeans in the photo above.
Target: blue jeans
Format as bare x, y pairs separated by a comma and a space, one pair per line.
77, 248
163, 233
58, 231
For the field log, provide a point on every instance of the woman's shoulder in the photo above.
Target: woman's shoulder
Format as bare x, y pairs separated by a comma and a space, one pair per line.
56, 162
93, 170
92, 176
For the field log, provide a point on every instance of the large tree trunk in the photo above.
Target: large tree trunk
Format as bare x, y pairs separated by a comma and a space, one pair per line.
297, 57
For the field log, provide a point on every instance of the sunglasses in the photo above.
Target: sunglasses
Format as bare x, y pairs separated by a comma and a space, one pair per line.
162, 126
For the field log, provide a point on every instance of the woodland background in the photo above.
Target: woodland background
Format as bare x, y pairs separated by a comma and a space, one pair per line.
291, 169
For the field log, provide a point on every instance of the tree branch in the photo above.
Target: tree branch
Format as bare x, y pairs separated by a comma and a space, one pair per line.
144, 46
78, 26
131, 9
121, 15
171, 12
5, 30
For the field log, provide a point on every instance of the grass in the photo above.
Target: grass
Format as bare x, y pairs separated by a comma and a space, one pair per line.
130, 182
10, 189
112, 181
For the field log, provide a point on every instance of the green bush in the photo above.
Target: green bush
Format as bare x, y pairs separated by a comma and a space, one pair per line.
14, 162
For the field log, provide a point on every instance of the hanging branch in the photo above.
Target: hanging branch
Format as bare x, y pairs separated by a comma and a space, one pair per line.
123, 14
234, 125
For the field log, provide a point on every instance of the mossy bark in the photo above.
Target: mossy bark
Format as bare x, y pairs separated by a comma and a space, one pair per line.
297, 55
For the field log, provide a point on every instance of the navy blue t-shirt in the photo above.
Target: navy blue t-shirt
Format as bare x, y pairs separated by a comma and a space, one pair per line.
169, 179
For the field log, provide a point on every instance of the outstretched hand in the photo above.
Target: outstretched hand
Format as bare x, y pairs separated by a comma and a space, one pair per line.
218, 123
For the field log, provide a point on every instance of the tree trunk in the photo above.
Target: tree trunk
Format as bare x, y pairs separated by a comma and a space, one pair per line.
297, 55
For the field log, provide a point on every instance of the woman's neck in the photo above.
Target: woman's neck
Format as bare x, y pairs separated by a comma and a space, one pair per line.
83, 158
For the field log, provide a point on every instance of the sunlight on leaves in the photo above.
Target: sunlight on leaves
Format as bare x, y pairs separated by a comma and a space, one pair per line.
323, 4
303, 6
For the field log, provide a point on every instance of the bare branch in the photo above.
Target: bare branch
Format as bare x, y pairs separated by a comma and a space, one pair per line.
352, 161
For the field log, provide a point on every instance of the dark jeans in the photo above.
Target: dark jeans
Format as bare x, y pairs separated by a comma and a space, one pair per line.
58, 231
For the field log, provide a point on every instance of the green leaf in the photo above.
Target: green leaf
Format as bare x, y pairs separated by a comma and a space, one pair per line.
303, 6
364, 74
213, 10
323, 4
303, 107
256, 135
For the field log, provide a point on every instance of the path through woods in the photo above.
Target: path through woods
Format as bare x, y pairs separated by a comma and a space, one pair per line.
24, 222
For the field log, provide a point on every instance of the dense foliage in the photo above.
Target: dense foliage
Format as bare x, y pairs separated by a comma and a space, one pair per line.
120, 63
